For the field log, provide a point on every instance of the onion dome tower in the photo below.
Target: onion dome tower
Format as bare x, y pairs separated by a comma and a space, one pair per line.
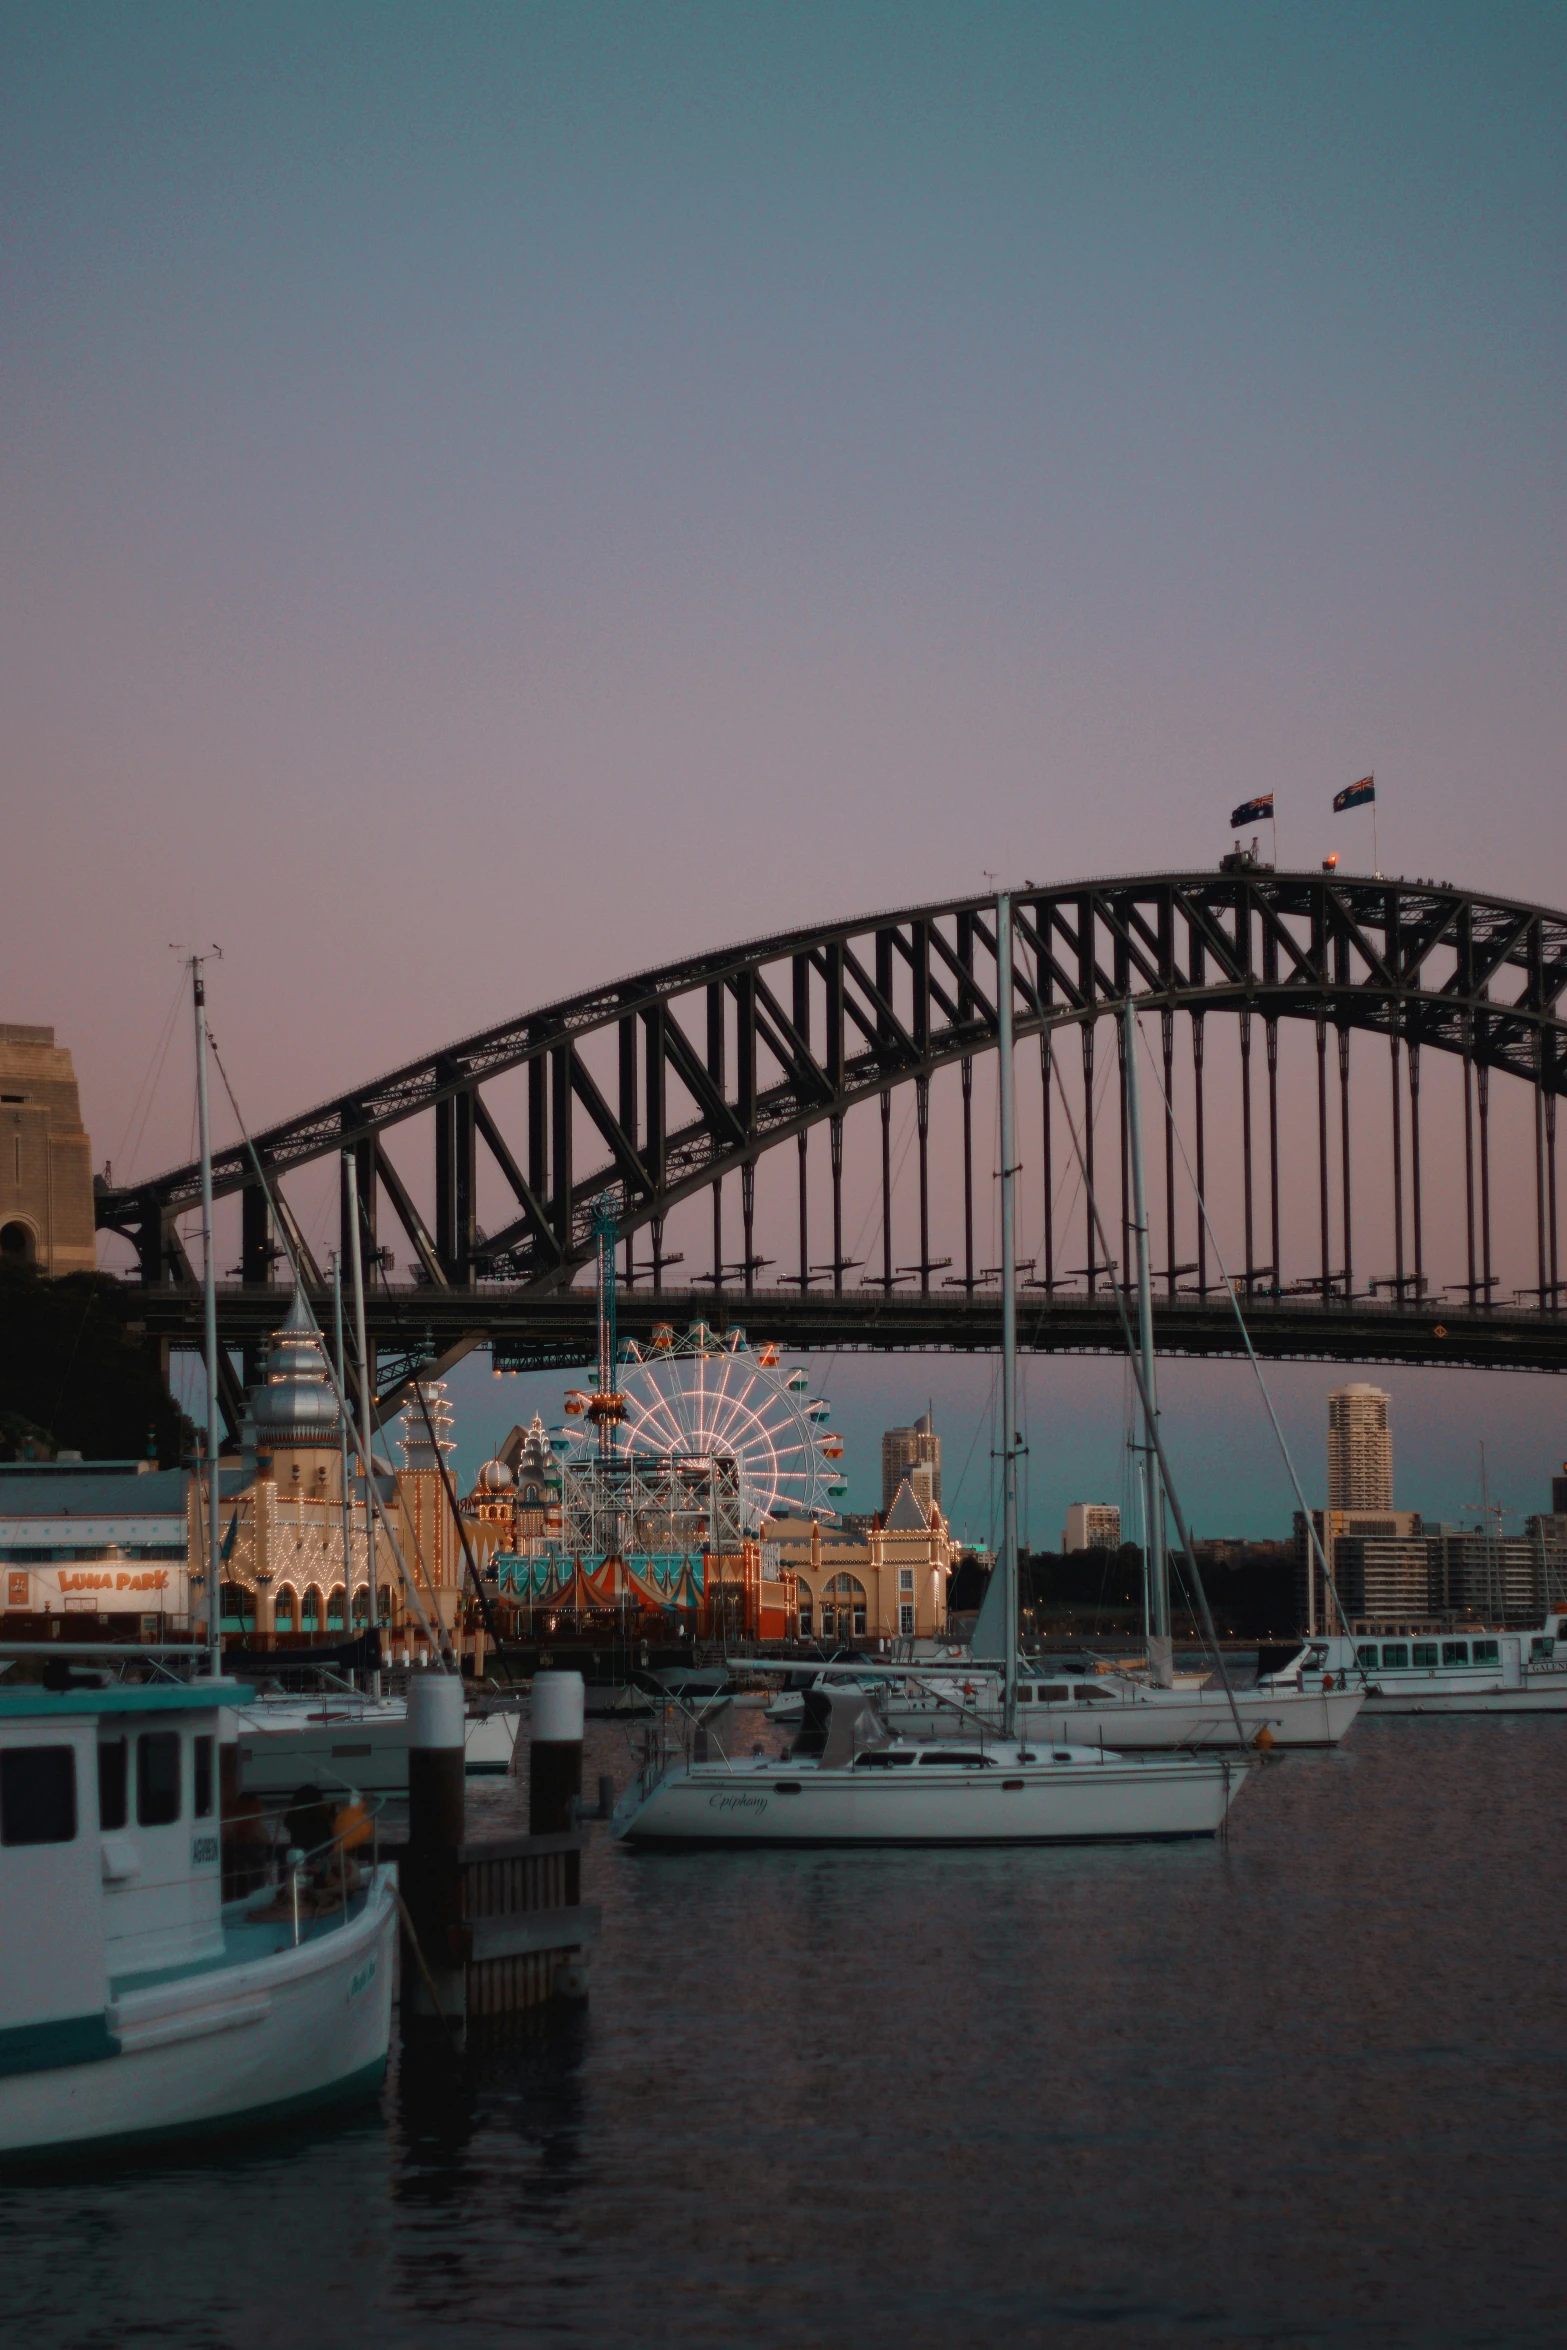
294, 1408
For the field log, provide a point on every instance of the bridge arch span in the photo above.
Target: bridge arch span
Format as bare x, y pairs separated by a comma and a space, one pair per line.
716, 1059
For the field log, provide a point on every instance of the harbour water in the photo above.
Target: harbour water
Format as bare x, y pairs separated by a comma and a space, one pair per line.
1305, 2086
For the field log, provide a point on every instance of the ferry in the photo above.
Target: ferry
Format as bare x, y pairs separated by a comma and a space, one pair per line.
1425, 1668
135, 2003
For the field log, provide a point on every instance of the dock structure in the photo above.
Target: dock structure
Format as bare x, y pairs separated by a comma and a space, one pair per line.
524, 1931
492, 1925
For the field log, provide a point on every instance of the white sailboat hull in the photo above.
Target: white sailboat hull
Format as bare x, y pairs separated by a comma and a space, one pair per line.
1175, 1718
298, 2029
362, 1745
1084, 1800
1147, 1720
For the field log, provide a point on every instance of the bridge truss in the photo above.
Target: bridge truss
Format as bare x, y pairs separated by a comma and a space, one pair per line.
673, 1083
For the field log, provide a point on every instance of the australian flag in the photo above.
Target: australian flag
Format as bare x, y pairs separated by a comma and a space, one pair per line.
1258, 811
1355, 795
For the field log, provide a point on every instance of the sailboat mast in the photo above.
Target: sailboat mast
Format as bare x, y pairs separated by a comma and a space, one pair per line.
209, 1295
356, 1268
1009, 1567
1160, 1656
342, 1430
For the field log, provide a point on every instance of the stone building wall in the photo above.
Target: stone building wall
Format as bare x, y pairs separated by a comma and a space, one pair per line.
46, 1196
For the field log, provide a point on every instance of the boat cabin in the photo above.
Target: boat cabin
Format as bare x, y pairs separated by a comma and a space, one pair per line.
110, 1855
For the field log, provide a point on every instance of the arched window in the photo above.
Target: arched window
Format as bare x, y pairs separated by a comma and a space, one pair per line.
285, 1612
361, 1607
334, 1609
843, 1606
18, 1243
310, 1613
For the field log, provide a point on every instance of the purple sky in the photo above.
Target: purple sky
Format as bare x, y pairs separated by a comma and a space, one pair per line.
492, 497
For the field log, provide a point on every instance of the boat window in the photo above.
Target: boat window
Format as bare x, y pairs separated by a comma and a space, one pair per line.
1455, 1652
37, 1795
1367, 1652
880, 1762
956, 1760
1487, 1652
202, 1754
1053, 1693
1425, 1652
1542, 1647
1395, 1652
157, 1778
111, 1782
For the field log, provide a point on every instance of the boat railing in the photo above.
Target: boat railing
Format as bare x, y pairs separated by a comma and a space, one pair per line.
274, 1864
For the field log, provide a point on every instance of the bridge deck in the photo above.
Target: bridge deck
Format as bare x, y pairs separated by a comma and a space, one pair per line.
537, 1329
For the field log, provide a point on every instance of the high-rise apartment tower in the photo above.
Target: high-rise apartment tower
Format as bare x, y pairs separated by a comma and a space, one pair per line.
1360, 1449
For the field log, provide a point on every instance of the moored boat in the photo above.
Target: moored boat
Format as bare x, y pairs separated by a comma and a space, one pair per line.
849, 1782
1421, 1668
135, 2003
341, 1739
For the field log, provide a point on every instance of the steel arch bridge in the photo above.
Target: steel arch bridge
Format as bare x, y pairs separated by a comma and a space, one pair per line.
675, 1082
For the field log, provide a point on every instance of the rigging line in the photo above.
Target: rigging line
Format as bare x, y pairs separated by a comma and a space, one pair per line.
419, 1386
372, 1491
874, 1209
160, 1054
1072, 1172
985, 1412
1151, 1424
1251, 1352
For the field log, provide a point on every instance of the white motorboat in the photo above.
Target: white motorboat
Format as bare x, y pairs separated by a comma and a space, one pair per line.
135, 2004
343, 1740
848, 1782
1437, 1669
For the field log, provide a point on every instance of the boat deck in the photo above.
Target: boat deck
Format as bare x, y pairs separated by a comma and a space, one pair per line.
248, 1937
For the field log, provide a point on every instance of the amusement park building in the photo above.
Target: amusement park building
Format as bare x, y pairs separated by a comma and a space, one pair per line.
890, 1586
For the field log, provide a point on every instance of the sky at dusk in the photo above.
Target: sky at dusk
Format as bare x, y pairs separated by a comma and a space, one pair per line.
495, 497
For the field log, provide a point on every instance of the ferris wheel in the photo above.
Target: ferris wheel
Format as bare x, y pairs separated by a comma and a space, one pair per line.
707, 1394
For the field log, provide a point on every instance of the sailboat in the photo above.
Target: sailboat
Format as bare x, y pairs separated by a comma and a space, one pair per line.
1302, 1703
850, 1779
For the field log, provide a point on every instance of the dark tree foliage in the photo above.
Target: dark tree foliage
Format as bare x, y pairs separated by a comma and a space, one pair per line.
73, 1376
1250, 1588
967, 1587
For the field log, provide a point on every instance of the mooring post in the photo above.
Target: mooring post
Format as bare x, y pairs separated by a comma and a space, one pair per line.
555, 1753
432, 1873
